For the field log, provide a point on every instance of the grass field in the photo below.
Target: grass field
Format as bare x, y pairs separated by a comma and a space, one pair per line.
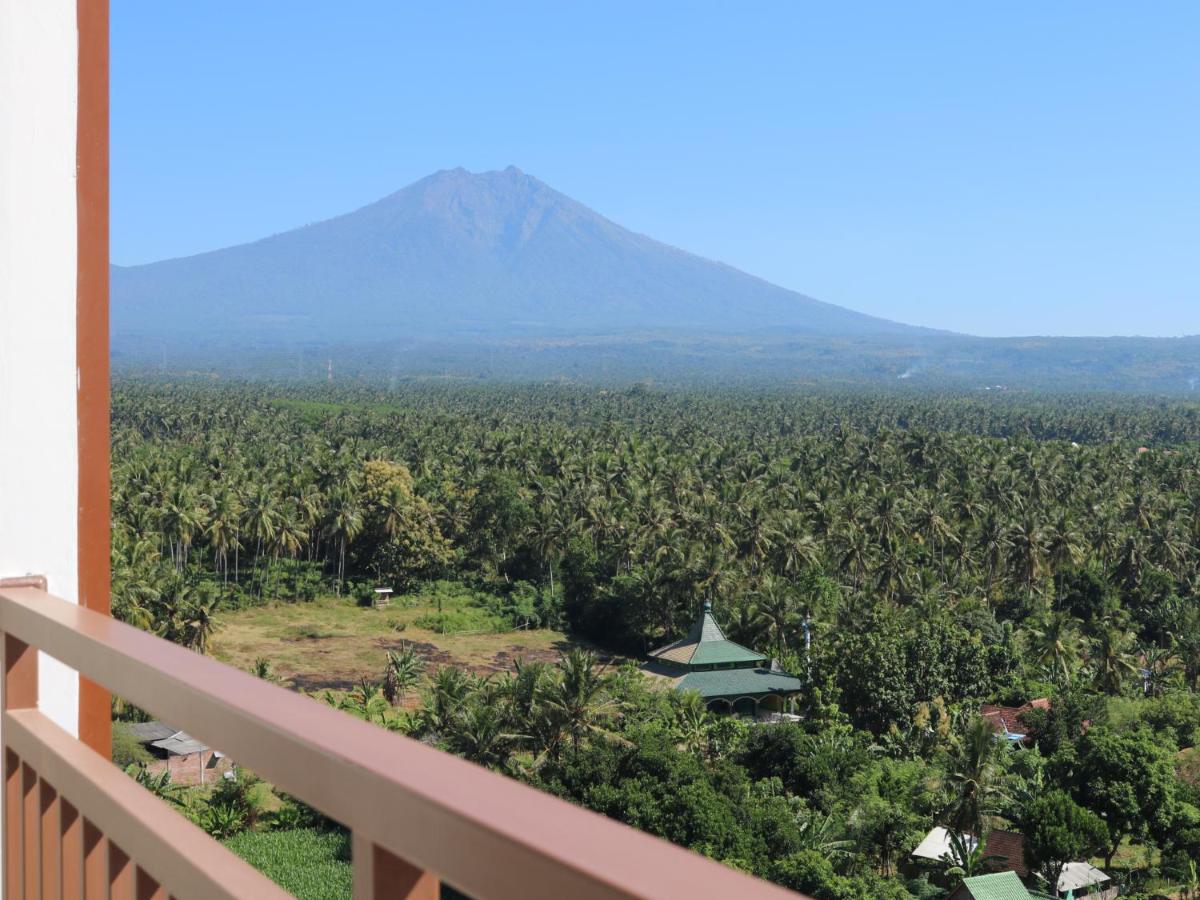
331, 642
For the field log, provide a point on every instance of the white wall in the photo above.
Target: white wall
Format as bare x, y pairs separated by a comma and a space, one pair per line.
38, 440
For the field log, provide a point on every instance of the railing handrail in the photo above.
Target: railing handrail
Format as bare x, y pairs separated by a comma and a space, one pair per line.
487, 835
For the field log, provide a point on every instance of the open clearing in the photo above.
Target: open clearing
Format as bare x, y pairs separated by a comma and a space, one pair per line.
331, 642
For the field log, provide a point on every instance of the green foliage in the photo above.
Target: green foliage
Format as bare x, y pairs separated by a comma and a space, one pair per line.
454, 608
1058, 831
1128, 779
127, 750
308, 863
234, 805
887, 666
908, 556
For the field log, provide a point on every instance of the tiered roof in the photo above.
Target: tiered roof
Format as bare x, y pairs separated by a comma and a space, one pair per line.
718, 667
706, 644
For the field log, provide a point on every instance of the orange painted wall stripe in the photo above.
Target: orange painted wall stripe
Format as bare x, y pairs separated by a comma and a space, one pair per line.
92, 348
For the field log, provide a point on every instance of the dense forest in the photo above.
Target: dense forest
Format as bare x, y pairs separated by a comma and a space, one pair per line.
910, 556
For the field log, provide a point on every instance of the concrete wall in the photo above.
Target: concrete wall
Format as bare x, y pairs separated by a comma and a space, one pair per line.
38, 436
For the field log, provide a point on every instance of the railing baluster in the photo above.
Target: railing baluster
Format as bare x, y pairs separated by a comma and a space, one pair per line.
120, 873
51, 845
18, 691
95, 863
71, 850
148, 888
379, 875
31, 832
14, 879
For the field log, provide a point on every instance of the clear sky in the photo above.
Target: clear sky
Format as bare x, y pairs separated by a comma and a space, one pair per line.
993, 168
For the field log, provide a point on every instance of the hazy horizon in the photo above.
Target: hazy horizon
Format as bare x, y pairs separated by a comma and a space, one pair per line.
1024, 174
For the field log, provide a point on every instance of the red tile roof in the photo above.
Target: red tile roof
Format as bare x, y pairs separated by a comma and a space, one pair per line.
1008, 718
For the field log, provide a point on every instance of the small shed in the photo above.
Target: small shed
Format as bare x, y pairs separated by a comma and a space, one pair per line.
382, 597
187, 760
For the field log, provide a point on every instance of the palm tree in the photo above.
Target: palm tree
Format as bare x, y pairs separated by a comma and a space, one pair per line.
404, 670
579, 693
1027, 550
778, 611
692, 721
823, 833
1112, 662
968, 856
260, 518
223, 530
976, 779
445, 696
345, 523
1160, 669
479, 734
367, 701
1055, 645
192, 616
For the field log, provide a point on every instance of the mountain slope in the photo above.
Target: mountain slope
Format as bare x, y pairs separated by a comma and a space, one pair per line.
457, 254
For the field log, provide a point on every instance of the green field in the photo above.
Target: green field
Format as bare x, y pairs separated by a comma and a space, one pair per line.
311, 864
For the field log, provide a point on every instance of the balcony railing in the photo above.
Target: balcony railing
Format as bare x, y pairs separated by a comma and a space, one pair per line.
76, 826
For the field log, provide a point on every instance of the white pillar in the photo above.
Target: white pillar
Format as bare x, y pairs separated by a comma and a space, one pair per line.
39, 445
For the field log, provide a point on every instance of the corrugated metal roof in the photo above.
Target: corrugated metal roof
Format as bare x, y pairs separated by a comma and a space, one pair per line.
1076, 875
145, 732
739, 683
180, 744
936, 845
1000, 886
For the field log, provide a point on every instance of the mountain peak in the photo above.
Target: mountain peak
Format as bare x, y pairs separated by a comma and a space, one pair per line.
485, 252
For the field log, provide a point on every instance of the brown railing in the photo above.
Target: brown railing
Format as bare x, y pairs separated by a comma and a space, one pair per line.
75, 826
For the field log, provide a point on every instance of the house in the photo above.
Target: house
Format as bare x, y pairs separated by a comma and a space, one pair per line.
186, 759
1007, 722
1007, 846
731, 678
997, 886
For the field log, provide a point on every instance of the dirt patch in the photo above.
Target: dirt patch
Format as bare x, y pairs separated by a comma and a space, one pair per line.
430, 654
317, 683
330, 643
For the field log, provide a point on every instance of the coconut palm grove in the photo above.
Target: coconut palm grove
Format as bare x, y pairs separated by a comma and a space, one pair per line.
799, 628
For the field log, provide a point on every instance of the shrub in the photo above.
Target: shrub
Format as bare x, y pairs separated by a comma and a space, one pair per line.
127, 750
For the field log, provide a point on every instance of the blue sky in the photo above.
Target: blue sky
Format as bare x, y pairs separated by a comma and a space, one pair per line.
997, 169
